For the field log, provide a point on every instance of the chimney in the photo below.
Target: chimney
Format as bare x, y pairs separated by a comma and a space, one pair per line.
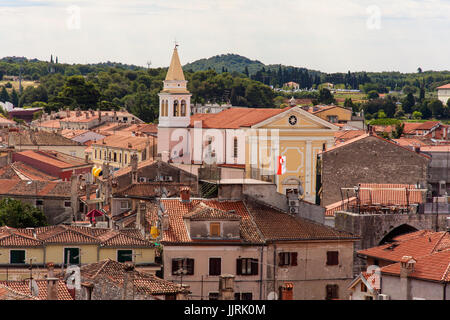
52, 283
165, 222
226, 287
185, 194
134, 167
128, 279
407, 264
140, 218
99, 115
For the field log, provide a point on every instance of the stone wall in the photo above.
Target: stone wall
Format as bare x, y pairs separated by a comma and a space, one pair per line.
369, 160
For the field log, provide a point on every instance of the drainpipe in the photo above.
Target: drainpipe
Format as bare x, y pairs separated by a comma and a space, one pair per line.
274, 266
261, 273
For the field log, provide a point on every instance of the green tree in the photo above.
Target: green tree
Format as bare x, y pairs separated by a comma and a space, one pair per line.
83, 94
381, 114
408, 103
14, 98
16, 214
372, 95
399, 129
325, 96
417, 115
436, 107
399, 112
409, 89
4, 96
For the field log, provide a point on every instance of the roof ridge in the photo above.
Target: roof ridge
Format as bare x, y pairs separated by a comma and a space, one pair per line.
102, 267
438, 242
446, 272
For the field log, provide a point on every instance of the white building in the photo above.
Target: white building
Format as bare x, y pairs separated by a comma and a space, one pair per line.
444, 93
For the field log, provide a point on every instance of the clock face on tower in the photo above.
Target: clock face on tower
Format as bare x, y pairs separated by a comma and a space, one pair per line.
292, 120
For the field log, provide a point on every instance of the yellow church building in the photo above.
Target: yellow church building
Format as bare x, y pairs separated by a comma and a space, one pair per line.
249, 138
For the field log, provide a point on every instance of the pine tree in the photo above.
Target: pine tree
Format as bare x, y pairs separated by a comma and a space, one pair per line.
246, 71
14, 98
4, 96
51, 58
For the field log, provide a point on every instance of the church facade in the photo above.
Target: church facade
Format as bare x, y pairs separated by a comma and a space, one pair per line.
250, 138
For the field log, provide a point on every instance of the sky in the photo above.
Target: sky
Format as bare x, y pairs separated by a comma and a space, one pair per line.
325, 35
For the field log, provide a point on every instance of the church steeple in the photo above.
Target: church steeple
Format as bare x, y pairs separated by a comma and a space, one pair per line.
174, 99
175, 70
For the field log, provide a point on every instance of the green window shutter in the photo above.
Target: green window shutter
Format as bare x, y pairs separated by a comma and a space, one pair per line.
17, 256
124, 255
71, 256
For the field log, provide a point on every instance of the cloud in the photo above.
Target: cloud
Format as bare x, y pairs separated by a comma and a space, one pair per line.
323, 34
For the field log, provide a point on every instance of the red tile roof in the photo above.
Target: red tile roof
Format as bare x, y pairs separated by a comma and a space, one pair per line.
177, 210
7, 293
345, 135
234, 118
24, 288
53, 158
10, 237
277, 225
33, 188
416, 247
331, 209
143, 283
433, 267
445, 86
20, 171
427, 125
389, 194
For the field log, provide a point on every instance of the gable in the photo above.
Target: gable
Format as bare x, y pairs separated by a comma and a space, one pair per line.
305, 121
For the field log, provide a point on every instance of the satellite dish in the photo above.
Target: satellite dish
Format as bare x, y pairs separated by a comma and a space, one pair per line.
272, 296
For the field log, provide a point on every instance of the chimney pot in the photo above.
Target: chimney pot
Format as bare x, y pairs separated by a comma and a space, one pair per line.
185, 194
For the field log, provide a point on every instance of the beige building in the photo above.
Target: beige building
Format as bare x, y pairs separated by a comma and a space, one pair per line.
271, 253
118, 149
69, 245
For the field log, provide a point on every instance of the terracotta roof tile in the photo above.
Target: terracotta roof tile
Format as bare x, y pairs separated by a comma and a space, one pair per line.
278, 225
204, 212
23, 288
234, 118
143, 283
416, 246
176, 210
445, 86
150, 189
125, 142
434, 267
10, 237
37, 187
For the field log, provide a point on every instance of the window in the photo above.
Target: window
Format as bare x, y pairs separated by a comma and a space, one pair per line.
115, 157
246, 266
126, 158
182, 264
332, 291
243, 296
124, 255
332, 119
67, 204
213, 296
120, 158
71, 256
287, 258
332, 258
214, 229
215, 266
175, 108
235, 147
95, 153
39, 202
123, 204
17, 256
363, 287
183, 108
104, 155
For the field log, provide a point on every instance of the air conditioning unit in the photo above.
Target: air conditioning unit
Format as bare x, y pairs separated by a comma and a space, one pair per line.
383, 297
293, 210
102, 224
294, 203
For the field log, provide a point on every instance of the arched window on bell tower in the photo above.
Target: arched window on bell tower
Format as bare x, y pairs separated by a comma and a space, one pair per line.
183, 108
166, 108
176, 111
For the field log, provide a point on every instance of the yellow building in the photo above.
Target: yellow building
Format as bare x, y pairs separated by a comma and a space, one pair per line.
117, 150
334, 114
248, 138
69, 245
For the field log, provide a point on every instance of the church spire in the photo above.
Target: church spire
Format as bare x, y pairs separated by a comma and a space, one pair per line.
175, 71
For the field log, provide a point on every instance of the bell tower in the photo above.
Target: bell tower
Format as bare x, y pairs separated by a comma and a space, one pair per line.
174, 99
